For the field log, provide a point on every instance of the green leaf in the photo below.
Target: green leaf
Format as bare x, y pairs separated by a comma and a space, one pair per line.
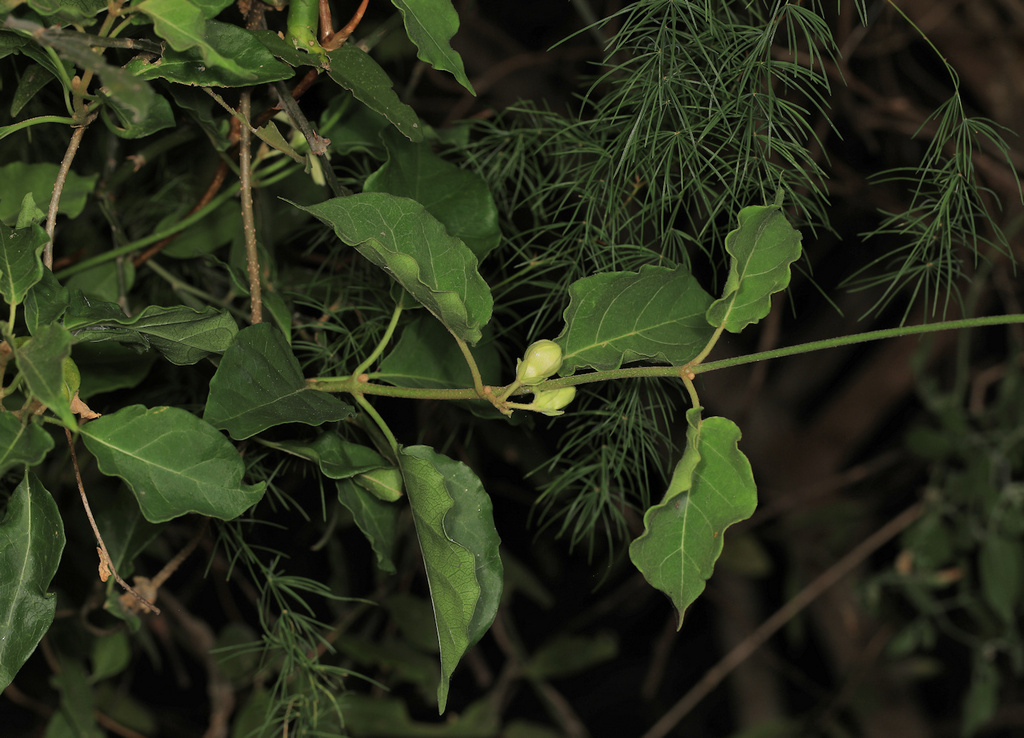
982, 696
457, 197
656, 314
181, 334
712, 488
400, 236
21, 443
377, 520
33, 79
21, 264
357, 72
431, 25
110, 366
373, 715
259, 384
173, 462
31, 542
384, 483
225, 56
135, 120
80, 11
111, 654
45, 303
41, 361
426, 356
459, 544
1001, 571
762, 248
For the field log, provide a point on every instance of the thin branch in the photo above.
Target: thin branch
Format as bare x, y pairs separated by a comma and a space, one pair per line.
743, 650
58, 189
318, 145
252, 258
106, 563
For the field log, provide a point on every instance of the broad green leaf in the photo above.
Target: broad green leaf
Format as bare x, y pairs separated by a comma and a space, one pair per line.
762, 248
21, 443
384, 483
1001, 572
33, 79
72, 11
111, 654
357, 72
40, 360
259, 384
45, 303
173, 462
336, 457
181, 334
712, 488
565, 655
656, 314
134, 120
459, 544
456, 197
400, 236
31, 542
225, 56
21, 265
431, 25
377, 520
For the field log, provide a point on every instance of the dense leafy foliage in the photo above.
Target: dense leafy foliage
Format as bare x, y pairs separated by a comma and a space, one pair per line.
291, 335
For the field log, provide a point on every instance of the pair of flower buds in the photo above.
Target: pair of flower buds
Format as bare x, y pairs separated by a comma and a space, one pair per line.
541, 361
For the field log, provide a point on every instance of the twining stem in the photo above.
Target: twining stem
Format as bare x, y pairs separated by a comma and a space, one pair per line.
252, 257
105, 561
58, 189
345, 384
381, 345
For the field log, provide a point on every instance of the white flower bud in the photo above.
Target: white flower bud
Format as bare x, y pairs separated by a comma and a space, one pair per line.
543, 358
551, 402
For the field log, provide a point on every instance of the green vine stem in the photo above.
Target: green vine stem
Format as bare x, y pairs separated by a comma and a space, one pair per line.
381, 345
348, 385
378, 420
478, 385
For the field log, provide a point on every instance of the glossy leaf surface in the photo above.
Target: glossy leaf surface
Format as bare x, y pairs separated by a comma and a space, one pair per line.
656, 314
762, 248
712, 488
259, 384
459, 544
400, 236
31, 542
173, 462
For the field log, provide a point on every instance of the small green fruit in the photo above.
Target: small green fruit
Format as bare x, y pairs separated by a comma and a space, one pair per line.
543, 358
